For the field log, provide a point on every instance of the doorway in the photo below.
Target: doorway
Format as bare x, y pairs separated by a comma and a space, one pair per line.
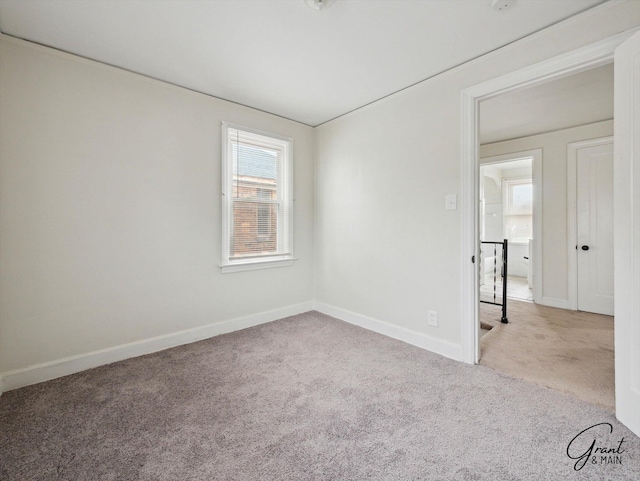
553, 116
554, 271
626, 47
510, 207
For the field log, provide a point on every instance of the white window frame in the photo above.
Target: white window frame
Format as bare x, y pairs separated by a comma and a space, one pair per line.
284, 202
507, 204
508, 184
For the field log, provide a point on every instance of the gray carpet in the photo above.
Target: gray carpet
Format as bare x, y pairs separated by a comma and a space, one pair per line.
303, 398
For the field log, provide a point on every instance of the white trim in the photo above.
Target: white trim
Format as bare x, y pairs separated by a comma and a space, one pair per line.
507, 185
73, 364
572, 236
470, 233
63, 367
536, 176
419, 339
253, 265
264, 133
553, 302
626, 232
590, 56
570, 63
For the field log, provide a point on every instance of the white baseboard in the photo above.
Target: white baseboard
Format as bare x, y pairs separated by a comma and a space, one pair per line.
424, 341
62, 367
553, 302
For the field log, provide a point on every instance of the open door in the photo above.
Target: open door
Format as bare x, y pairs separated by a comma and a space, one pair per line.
627, 231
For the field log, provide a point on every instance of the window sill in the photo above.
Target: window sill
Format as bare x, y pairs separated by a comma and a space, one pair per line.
253, 264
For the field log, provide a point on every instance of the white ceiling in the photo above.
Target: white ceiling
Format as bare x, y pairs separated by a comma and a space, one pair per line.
579, 99
510, 165
279, 55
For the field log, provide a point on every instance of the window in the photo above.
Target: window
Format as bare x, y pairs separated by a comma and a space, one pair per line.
518, 209
257, 203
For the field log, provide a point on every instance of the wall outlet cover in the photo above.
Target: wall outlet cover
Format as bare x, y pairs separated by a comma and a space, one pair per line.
451, 202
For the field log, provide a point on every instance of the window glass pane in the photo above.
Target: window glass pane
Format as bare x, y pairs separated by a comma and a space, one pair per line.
266, 192
263, 220
519, 228
254, 168
521, 198
253, 229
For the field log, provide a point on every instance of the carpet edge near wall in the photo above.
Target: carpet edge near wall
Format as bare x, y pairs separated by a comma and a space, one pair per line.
46, 371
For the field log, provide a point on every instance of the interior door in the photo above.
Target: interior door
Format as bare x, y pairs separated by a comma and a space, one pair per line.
594, 202
627, 231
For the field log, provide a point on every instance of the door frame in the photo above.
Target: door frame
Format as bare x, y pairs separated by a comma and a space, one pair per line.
572, 214
585, 58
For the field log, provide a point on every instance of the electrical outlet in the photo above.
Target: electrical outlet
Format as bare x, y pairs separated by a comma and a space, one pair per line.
433, 318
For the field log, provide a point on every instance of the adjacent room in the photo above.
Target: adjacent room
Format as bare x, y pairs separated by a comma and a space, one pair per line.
242, 240
562, 337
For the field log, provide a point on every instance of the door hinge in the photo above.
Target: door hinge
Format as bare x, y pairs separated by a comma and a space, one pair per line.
473, 259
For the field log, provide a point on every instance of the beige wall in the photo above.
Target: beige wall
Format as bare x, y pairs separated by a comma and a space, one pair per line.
110, 202
554, 199
386, 248
110, 209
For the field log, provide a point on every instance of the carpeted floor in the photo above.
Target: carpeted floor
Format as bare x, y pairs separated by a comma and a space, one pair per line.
570, 351
304, 398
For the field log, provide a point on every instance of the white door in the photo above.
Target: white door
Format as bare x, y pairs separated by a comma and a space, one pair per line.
627, 231
594, 228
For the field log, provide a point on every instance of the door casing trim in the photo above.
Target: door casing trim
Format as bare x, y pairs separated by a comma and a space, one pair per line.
585, 58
